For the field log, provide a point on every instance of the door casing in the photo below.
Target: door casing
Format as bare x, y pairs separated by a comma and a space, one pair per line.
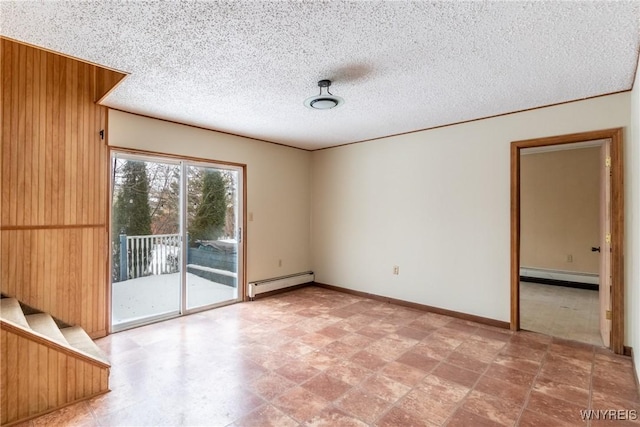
604, 289
617, 224
242, 264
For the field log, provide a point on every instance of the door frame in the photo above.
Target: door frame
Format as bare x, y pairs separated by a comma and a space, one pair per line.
242, 264
617, 224
210, 164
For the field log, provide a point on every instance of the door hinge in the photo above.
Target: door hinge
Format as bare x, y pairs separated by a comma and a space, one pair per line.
607, 238
607, 162
608, 315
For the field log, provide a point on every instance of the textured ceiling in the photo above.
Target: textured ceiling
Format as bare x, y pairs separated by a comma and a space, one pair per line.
246, 67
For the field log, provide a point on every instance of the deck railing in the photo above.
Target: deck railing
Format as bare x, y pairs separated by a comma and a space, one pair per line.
148, 255
157, 254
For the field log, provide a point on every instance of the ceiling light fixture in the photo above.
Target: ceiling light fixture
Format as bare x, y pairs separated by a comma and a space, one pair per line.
323, 102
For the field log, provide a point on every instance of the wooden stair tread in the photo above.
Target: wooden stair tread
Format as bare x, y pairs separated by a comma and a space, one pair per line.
10, 310
44, 324
78, 339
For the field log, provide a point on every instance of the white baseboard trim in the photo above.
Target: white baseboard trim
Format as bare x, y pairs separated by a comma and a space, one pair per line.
566, 276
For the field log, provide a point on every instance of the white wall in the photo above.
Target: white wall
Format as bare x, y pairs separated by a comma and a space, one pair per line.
560, 210
437, 204
278, 180
632, 224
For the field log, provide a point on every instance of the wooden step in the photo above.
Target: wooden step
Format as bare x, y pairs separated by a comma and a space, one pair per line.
10, 310
44, 324
78, 339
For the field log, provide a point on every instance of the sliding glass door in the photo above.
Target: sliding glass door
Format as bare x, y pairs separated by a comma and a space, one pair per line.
176, 237
213, 235
145, 239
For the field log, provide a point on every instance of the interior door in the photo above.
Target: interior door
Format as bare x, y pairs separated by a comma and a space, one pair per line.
605, 244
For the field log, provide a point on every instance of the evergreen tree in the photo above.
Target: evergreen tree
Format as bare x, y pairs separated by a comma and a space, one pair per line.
209, 220
131, 213
195, 176
230, 226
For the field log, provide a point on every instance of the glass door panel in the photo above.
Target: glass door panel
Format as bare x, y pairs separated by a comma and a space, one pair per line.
176, 238
212, 223
145, 242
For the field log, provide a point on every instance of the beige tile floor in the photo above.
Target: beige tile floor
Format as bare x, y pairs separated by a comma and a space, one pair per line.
560, 312
315, 357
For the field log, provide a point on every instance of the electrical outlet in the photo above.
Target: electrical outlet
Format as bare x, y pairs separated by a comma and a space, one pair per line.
396, 270
569, 258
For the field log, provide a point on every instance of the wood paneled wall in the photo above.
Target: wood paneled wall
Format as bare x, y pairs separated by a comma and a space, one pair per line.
63, 268
54, 213
37, 378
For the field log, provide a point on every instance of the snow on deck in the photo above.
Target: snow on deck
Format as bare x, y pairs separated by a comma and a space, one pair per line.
160, 294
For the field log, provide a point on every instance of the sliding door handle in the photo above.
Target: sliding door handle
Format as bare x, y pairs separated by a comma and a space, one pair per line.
594, 249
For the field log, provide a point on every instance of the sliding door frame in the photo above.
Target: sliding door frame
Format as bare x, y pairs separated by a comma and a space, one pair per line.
138, 157
200, 161
210, 164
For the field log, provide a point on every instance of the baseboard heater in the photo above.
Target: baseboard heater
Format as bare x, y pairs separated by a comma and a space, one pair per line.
569, 279
268, 285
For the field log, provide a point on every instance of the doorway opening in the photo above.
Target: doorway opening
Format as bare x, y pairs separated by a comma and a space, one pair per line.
176, 237
611, 283
560, 254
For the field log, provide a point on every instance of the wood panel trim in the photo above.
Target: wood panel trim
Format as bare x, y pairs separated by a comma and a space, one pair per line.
422, 307
105, 82
617, 223
51, 344
50, 227
64, 55
515, 238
